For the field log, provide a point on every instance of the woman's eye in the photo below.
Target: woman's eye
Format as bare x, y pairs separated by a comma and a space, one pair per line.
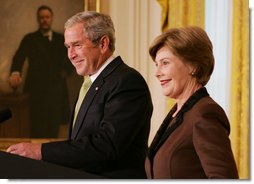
165, 62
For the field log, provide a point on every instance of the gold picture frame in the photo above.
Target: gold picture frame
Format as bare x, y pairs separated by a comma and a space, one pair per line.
92, 5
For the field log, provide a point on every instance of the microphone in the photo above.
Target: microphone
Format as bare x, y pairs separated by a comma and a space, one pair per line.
5, 114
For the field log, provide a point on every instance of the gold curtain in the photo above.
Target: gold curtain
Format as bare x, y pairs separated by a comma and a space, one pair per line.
180, 13
240, 117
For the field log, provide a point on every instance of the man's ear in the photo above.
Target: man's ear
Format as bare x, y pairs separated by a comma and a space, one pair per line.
104, 43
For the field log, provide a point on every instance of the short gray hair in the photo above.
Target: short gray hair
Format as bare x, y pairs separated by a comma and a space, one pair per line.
96, 25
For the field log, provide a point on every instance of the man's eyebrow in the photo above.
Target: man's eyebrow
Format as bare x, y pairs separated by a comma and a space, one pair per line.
72, 43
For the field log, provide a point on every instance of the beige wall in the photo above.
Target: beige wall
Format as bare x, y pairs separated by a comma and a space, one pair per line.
137, 23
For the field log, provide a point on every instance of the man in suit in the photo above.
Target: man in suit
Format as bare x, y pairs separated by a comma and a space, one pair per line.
46, 76
109, 132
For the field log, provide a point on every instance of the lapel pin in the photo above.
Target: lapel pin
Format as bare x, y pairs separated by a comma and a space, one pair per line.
96, 88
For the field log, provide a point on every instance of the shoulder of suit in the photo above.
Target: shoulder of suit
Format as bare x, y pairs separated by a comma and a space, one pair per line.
123, 69
37, 33
207, 105
117, 69
31, 36
57, 34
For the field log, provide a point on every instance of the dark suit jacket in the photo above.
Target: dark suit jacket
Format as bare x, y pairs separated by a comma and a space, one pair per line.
45, 82
47, 61
199, 147
112, 127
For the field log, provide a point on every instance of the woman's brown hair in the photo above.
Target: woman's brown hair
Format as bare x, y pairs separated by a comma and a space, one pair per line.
192, 45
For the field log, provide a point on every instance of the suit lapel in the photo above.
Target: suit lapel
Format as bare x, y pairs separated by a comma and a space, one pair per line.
85, 106
164, 132
93, 90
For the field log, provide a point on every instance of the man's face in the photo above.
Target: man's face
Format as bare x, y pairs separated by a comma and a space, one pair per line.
45, 19
83, 54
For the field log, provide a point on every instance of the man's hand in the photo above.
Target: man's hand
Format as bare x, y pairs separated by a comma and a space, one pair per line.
15, 80
29, 150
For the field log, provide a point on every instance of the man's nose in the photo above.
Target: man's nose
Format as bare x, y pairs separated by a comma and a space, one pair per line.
71, 53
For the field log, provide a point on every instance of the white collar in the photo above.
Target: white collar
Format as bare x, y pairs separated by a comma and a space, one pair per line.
49, 34
94, 76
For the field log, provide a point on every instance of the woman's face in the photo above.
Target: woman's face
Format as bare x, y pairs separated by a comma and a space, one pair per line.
174, 75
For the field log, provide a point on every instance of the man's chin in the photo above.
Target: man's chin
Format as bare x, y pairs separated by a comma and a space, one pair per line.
79, 72
45, 29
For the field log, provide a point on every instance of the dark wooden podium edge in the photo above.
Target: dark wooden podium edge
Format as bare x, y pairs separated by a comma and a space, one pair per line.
18, 167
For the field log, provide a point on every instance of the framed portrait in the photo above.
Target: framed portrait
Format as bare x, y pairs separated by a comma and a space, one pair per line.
18, 18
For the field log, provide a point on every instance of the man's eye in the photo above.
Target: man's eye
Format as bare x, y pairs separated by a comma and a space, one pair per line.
77, 45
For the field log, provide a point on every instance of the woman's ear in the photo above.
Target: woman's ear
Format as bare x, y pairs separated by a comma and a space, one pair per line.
192, 70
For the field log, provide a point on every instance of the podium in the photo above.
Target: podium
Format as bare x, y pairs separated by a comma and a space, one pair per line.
17, 167
19, 124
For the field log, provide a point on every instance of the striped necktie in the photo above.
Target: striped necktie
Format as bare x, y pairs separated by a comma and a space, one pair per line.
82, 93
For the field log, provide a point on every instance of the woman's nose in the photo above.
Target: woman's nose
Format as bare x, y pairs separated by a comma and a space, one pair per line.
157, 72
